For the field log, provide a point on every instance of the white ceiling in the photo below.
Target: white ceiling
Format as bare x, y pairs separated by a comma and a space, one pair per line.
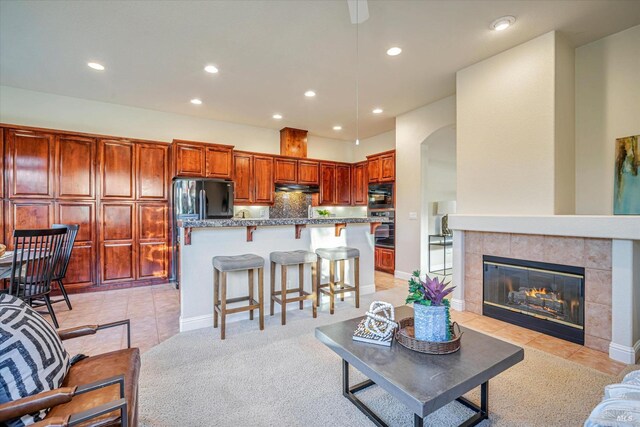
270, 52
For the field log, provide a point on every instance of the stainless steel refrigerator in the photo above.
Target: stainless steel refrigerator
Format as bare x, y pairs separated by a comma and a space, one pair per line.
198, 199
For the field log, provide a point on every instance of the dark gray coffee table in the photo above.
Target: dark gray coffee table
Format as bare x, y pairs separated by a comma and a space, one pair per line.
423, 382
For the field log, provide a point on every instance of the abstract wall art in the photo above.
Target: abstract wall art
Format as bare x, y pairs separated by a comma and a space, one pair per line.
626, 187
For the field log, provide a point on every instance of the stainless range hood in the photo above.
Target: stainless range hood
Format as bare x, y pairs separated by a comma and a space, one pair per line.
297, 188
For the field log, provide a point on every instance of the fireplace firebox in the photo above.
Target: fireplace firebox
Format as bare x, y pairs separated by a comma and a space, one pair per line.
544, 297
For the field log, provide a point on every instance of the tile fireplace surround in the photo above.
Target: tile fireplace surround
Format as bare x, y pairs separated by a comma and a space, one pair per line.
609, 255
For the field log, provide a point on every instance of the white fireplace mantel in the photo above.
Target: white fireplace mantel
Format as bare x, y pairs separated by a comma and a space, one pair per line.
621, 227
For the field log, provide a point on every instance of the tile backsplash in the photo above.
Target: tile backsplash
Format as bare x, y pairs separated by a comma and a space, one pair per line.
290, 205
296, 205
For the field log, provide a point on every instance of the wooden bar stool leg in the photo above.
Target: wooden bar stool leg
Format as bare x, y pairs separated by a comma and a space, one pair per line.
283, 293
261, 296
250, 274
342, 278
301, 283
318, 279
216, 291
356, 279
332, 284
314, 289
223, 304
273, 287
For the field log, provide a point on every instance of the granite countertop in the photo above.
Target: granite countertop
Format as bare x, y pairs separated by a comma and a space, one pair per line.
235, 222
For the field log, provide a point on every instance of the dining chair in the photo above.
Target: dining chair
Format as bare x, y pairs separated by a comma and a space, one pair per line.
35, 256
61, 268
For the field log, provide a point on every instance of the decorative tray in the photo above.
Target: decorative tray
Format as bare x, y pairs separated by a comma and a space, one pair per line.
405, 337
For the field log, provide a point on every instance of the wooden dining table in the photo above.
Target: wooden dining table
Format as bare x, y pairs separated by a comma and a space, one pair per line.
7, 259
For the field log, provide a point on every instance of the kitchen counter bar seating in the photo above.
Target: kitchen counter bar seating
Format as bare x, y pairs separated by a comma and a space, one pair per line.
292, 258
340, 254
221, 266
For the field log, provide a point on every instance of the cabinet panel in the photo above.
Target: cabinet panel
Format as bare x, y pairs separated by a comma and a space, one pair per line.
81, 213
308, 172
80, 272
360, 184
30, 157
27, 214
327, 184
117, 164
385, 260
4, 175
152, 221
242, 177
388, 167
219, 162
190, 160
293, 142
343, 184
82, 265
152, 171
263, 179
117, 221
153, 260
373, 169
286, 171
118, 261
75, 167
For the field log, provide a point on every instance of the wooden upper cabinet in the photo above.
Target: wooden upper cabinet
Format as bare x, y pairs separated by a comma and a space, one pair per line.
308, 172
263, 179
75, 167
327, 184
388, 167
117, 167
219, 162
286, 171
243, 177
152, 171
359, 184
30, 164
190, 159
343, 184
152, 221
373, 169
293, 142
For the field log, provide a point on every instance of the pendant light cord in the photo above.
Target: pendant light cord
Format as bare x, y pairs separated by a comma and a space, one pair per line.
357, 72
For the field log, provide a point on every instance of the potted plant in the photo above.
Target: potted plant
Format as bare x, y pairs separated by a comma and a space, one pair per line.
431, 309
323, 213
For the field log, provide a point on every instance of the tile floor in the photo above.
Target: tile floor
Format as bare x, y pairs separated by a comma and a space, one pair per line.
154, 312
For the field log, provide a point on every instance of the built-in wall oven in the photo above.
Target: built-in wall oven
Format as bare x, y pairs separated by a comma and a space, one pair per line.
385, 236
381, 196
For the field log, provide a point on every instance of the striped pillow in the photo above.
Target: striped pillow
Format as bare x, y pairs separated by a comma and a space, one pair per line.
32, 358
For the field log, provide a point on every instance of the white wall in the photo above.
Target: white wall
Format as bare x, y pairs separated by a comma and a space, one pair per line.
376, 144
412, 129
30, 108
506, 115
607, 107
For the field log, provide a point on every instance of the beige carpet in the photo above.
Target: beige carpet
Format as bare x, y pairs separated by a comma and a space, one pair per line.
283, 376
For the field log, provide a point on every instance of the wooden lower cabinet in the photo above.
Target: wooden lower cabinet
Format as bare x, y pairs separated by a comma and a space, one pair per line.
81, 272
152, 260
385, 260
117, 238
152, 241
117, 262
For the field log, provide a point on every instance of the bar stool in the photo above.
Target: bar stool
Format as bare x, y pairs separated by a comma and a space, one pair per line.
223, 265
286, 259
340, 254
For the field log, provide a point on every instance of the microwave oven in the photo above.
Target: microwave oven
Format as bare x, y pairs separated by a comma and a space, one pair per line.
381, 196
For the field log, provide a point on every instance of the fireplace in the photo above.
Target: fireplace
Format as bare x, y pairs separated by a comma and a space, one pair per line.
544, 297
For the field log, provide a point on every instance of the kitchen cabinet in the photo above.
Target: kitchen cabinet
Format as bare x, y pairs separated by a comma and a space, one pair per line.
254, 179
242, 177
152, 171
327, 184
308, 172
81, 271
30, 164
293, 142
75, 167
189, 159
382, 167
117, 163
385, 260
263, 179
219, 161
26, 214
286, 171
152, 238
360, 184
117, 250
343, 184
2, 178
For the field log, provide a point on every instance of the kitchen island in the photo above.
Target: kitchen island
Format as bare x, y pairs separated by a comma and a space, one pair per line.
201, 240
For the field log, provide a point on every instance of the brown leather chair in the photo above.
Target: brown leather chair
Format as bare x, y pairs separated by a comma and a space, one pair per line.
97, 391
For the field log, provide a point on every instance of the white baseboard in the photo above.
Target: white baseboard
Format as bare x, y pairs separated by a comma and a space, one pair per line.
402, 275
457, 304
196, 322
623, 353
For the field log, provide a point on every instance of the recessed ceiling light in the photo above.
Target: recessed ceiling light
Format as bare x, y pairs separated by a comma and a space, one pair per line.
309, 94
96, 66
196, 101
377, 110
337, 128
211, 69
277, 116
502, 23
394, 51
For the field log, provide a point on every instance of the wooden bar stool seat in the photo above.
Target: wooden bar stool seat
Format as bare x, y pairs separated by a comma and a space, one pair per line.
342, 255
286, 259
221, 266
